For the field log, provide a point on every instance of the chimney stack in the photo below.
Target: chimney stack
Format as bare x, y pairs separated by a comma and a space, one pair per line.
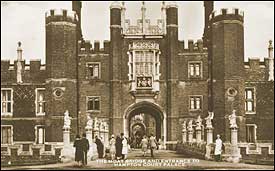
19, 64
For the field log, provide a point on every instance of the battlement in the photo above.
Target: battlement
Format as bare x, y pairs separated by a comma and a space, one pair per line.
59, 15
227, 14
192, 47
256, 63
87, 47
34, 66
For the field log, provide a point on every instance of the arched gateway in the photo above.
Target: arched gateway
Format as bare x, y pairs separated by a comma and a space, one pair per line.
144, 118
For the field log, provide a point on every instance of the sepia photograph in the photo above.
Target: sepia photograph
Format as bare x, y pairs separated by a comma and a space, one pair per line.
137, 85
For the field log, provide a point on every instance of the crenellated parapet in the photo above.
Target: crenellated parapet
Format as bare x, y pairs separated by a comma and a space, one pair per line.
193, 46
256, 70
227, 14
34, 65
86, 47
61, 15
34, 71
256, 63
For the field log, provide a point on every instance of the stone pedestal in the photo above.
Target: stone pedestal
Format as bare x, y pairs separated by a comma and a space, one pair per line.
209, 141
67, 151
208, 152
184, 136
106, 137
89, 136
234, 136
190, 135
198, 135
235, 151
66, 136
209, 135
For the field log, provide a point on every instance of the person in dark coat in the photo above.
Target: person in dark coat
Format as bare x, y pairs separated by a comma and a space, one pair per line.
78, 150
118, 147
85, 148
100, 147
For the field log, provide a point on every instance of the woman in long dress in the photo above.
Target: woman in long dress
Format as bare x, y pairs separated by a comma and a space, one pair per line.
144, 145
78, 150
153, 144
124, 148
218, 148
112, 147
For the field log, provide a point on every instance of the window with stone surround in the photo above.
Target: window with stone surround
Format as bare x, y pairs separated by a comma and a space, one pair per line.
195, 69
250, 101
40, 101
39, 134
251, 133
93, 103
6, 101
6, 134
93, 70
195, 102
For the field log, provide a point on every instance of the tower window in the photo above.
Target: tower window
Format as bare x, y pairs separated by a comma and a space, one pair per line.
93, 71
195, 69
195, 102
6, 134
93, 103
40, 101
6, 101
250, 99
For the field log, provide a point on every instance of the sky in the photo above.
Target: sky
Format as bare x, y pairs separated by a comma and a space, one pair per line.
25, 21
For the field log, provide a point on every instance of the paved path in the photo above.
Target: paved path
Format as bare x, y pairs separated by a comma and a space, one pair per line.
164, 160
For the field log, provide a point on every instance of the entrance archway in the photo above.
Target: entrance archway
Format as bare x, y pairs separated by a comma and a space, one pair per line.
145, 118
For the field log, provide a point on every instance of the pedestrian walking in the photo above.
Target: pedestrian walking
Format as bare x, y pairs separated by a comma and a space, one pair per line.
99, 146
124, 148
112, 144
119, 147
78, 150
218, 148
144, 145
153, 144
85, 148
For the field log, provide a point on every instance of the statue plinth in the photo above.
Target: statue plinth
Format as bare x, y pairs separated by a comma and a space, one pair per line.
190, 135
198, 128
68, 150
66, 129
209, 135
198, 135
234, 135
89, 129
184, 135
